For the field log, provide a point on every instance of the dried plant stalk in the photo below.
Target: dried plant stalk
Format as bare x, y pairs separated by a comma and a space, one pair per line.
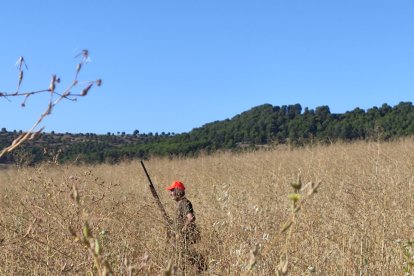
66, 94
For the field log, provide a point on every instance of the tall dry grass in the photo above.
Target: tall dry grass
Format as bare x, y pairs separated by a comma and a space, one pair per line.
359, 223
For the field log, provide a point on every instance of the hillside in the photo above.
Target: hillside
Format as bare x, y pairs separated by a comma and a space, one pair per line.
260, 126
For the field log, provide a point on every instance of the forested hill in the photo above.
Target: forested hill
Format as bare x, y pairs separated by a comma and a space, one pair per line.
261, 125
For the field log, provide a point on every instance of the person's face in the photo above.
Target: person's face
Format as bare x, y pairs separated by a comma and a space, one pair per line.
173, 195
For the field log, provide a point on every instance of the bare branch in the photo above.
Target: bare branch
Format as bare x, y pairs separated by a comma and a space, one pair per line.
52, 89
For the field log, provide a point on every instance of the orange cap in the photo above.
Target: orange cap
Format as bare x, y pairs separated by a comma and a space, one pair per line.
176, 185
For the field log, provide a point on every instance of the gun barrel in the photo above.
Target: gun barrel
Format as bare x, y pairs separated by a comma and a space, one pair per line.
156, 197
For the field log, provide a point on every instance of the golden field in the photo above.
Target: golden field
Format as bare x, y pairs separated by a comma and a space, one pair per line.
359, 222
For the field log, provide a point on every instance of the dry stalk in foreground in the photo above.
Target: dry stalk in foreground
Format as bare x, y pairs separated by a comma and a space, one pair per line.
89, 241
300, 195
55, 97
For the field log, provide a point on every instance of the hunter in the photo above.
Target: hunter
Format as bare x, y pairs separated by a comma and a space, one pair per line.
185, 228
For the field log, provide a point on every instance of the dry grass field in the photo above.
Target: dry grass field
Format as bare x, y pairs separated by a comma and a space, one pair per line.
359, 222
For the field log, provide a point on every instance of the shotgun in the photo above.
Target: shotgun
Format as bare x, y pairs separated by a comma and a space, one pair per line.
167, 219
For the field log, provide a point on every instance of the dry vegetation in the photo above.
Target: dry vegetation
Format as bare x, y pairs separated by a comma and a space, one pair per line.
55, 97
359, 222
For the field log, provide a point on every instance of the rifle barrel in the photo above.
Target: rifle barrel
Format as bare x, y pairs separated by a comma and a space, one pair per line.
156, 197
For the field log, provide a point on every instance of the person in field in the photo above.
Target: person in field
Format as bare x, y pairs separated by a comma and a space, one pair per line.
185, 228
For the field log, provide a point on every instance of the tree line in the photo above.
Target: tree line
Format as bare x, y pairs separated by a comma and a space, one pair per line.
262, 125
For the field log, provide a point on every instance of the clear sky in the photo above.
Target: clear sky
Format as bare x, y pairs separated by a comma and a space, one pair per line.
175, 65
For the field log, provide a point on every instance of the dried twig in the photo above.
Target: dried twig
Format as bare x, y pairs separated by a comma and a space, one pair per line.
66, 94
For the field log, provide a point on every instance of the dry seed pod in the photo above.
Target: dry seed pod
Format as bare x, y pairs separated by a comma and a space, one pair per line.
296, 186
52, 84
20, 78
98, 248
75, 194
78, 68
20, 62
86, 230
86, 89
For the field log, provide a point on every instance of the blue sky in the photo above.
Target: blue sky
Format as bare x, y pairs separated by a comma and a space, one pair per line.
175, 65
